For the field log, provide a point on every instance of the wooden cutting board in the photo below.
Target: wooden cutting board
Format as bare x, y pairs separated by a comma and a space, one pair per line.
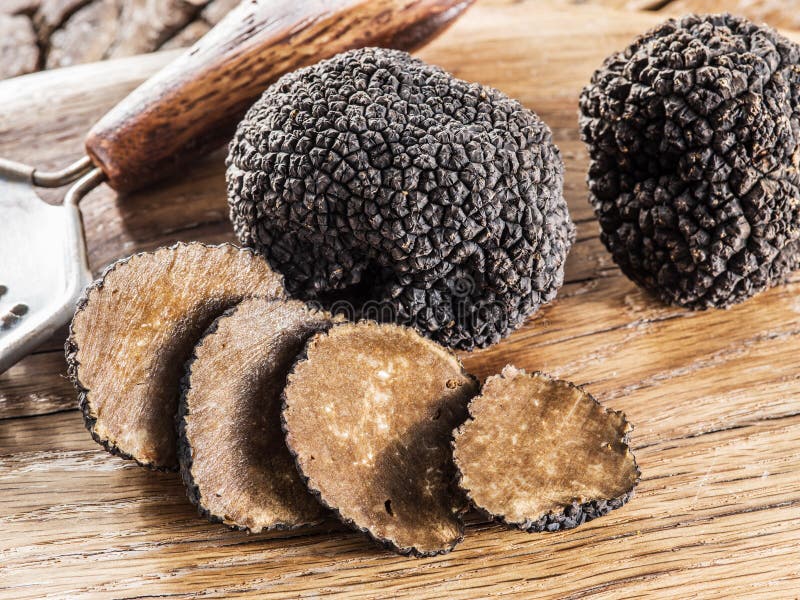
715, 396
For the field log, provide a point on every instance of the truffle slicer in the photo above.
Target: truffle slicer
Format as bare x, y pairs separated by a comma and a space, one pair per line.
186, 109
44, 267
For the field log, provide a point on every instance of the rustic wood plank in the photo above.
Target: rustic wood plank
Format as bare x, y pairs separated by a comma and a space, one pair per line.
714, 395
712, 510
79, 31
784, 14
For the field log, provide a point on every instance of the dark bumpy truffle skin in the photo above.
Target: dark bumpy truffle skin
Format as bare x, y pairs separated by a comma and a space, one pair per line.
693, 133
378, 174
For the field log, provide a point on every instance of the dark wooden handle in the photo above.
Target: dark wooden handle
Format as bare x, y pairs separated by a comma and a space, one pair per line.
193, 104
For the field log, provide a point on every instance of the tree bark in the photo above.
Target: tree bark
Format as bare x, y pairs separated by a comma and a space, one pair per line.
36, 34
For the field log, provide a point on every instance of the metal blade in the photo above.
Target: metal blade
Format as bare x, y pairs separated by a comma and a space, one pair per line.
43, 268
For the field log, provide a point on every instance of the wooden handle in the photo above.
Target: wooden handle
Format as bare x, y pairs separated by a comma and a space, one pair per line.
193, 104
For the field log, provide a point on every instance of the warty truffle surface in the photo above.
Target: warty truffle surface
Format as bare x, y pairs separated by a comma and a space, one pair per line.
378, 178
694, 137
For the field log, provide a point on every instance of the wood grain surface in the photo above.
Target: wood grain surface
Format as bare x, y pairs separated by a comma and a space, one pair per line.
715, 396
48, 34
784, 14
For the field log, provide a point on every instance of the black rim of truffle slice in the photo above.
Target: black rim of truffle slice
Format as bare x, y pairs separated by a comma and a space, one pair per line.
233, 454
695, 159
368, 413
388, 188
135, 328
541, 454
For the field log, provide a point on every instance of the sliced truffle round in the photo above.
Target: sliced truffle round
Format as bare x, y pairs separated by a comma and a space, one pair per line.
135, 328
417, 197
542, 454
368, 413
695, 159
233, 455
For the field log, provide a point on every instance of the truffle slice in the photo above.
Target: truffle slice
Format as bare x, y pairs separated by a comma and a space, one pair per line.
542, 454
233, 455
135, 328
368, 414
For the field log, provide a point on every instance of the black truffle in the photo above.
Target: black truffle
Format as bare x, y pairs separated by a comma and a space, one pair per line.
430, 201
694, 135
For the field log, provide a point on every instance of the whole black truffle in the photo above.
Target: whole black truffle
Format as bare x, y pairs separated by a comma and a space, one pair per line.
694, 136
428, 200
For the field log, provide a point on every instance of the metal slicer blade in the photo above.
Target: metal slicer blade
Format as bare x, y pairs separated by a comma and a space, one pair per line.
43, 265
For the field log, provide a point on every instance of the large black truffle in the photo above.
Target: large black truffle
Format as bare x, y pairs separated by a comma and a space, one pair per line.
694, 135
430, 201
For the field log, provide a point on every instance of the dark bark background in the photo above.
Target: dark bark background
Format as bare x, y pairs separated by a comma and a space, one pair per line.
47, 34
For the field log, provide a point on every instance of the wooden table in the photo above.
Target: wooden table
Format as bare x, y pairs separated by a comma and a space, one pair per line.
715, 396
